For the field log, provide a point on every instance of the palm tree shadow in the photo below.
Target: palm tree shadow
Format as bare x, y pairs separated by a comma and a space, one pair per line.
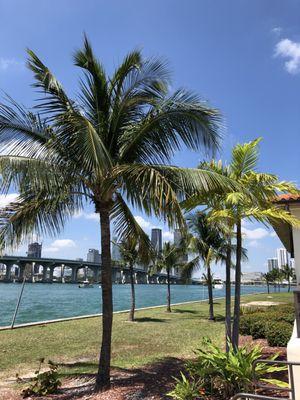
149, 319
180, 311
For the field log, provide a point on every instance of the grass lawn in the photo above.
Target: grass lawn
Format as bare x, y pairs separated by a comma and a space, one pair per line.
155, 335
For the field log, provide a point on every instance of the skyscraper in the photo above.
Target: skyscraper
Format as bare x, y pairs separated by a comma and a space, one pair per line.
156, 239
93, 256
34, 250
272, 264
282, 257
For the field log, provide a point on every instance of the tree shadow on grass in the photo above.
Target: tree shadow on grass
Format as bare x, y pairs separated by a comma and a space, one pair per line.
180, 311
155, 379
149, 319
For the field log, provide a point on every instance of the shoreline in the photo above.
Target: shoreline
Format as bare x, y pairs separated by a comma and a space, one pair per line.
53, 321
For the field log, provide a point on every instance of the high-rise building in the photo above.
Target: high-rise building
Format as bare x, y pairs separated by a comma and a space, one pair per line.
115, 252
156, 239
282, 257
272, 264
93, 256
34, 250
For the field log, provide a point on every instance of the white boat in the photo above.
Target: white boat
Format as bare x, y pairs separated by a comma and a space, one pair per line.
218, 284
85, 285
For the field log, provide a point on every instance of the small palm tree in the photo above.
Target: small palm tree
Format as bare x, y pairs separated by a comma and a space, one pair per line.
109, 147
268, 277
209, 245
132, 253
288, 274
166, 260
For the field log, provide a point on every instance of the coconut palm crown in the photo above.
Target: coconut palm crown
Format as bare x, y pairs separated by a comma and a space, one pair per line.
110, 146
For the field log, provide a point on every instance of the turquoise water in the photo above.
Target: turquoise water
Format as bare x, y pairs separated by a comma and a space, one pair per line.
50, 301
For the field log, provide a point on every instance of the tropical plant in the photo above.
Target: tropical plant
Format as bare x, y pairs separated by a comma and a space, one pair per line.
226, 374
170, 257
269, 279
43, 383
209, 243
186, 389
288, 274
132, 252
110, 147
254, 202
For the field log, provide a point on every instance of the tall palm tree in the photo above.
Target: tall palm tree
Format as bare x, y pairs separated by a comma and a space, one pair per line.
132, 252
170, 257
288, 274
253, 202
110, 146
208, 245
269, 279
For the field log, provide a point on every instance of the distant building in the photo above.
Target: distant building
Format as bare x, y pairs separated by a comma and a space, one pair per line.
177, 242
34, 250
93, 256
115, 252
282, 257
252, 277
79, 259
292, 263
156, 239
272, 264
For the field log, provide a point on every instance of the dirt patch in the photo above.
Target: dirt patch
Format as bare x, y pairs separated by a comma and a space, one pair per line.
261, 304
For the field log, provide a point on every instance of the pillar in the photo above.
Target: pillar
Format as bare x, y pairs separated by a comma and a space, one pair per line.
8, 272
74, 274
45, 270
51, 273
96, 274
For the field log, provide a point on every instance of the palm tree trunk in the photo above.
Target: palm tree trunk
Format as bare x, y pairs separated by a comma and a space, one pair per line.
289, 284
210, 295
237, 299
132, 308
103, 375
268, 286
168, 291
228, 296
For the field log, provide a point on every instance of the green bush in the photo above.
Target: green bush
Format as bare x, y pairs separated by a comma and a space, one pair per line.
278, 333
258, 323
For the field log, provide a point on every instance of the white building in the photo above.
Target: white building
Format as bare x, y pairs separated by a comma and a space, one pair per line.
272, 264
282, 257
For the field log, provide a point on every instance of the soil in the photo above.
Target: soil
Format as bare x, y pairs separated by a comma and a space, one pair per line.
151, 382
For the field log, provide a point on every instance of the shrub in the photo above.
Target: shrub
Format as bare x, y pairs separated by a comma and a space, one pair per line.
186, 389
224, 374
278, 333
44, 382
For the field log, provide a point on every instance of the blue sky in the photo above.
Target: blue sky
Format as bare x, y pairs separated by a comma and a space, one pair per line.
241, 56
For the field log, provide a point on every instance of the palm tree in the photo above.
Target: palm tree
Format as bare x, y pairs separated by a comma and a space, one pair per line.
170, 257
209, 245
132, 252
110, 147
254, 202
288, 274
269, 279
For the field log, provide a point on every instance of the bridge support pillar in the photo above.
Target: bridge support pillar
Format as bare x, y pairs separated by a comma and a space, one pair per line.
45, 270
8, 272
74, 275
96, 274
51, 273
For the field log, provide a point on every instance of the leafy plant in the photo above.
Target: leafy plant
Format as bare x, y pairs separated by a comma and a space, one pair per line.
225, 374
44, 382
186, 389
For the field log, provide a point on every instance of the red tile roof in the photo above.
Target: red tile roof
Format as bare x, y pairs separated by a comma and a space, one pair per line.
288, 198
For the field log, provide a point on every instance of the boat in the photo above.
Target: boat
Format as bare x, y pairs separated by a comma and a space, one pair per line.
85, 285
218, 284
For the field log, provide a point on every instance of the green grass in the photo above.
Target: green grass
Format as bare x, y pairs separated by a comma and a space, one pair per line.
155, 335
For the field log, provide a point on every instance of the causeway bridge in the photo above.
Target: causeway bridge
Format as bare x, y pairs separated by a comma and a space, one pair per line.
16, 268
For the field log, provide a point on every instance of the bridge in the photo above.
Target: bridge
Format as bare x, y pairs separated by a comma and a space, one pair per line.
27, 267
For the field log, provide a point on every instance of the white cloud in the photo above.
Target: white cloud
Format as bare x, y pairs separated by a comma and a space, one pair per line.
60, 244
273, 234
276, 30
10, 63
254, 243
168, 236
254, 234
143, 223
6, 199
289, 50
90, 216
